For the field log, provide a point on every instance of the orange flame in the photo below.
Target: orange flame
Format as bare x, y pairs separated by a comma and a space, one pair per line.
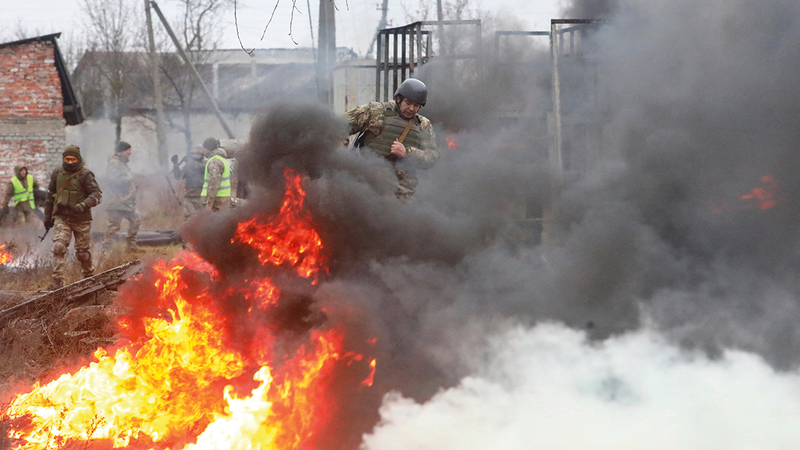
452, 143
289, 237
371, 378
766, 197
5, 257
179, 381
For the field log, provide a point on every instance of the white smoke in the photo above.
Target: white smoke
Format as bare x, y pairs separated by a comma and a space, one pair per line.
549, 387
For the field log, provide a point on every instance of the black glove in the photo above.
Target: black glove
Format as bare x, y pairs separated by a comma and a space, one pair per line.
79, 208
49, 222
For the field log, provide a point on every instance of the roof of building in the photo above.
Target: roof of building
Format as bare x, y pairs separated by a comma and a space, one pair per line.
72, 108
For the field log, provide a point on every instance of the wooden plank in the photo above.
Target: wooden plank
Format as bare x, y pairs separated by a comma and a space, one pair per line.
75, 292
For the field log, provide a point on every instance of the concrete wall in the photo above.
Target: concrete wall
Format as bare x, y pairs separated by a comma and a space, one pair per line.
353, 84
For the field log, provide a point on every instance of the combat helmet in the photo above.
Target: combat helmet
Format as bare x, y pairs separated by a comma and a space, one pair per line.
414, 90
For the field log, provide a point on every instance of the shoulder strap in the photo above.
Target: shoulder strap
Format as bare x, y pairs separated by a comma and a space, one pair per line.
66, 182
405, 131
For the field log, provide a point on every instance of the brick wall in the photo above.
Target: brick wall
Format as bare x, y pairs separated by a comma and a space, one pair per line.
29, 84
32, 126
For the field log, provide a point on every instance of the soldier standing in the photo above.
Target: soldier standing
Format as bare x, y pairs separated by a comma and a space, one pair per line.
396, 132
72, 192
21, 188
193, 175
216, 191
122, 198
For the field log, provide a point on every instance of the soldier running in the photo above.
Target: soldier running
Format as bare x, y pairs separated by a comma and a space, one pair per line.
72, 192
395, 131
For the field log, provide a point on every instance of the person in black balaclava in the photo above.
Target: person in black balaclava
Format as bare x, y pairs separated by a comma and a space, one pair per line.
72, 192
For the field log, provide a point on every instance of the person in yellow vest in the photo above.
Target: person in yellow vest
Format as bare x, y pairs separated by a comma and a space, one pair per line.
21, 189
216, 193
396, 132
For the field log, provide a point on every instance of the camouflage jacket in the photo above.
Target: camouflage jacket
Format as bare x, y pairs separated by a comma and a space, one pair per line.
121, 185
87, 188
370, 118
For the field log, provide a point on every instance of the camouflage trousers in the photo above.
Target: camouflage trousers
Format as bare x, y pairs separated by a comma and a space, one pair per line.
192, 206
115, 218
62, 234
219, 203
406, 184
22, 213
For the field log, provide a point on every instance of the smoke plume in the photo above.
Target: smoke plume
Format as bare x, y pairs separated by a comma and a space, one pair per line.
665, 287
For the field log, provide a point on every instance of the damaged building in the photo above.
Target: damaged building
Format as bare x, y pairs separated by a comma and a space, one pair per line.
37, 102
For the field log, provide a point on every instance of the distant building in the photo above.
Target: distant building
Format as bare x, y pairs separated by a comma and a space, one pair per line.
242, 84
36, 104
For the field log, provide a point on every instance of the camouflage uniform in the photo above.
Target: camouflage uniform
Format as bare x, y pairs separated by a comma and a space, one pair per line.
215, 192
380, 124
192, 174
72, 192
122, 201
23, 208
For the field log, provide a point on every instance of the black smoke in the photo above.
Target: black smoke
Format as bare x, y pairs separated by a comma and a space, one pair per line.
695, 103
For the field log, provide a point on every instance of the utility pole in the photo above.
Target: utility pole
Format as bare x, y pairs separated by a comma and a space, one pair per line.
197, 76
155, 63
327, 50
381, 25
439, 18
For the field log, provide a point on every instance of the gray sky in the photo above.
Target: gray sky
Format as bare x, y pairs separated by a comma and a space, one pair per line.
356, 19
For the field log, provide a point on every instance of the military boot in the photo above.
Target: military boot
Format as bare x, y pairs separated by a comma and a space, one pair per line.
131, 246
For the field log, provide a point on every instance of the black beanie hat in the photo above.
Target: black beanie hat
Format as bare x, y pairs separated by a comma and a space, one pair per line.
211, 143
121, 146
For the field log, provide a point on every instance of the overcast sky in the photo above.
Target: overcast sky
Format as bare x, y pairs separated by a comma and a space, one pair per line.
356, 19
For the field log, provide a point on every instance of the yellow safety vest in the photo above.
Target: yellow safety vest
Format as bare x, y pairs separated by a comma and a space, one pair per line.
224, 184
21, 193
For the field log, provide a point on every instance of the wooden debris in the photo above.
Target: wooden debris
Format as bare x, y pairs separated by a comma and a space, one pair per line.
75, 293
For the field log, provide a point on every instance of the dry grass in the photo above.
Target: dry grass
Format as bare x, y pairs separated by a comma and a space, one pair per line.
158, 205
56, 337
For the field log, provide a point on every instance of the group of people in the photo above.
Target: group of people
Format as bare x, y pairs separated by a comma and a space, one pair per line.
207, 176
73, 191
393, 130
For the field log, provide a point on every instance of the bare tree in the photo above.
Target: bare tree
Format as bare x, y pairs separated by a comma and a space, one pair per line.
200, 35
113, 28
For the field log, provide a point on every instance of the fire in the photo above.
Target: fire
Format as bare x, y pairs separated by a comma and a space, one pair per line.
371, 378
765, 197
5, 256
289, 237
452, 143
178, 380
